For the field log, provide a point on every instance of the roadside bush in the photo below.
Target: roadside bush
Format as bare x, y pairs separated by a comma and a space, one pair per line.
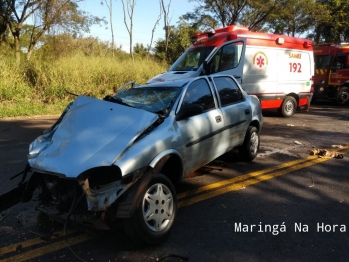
39, 86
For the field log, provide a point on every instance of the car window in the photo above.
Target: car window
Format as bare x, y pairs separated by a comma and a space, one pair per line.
199, 93
340, 62
228, 57
228, 90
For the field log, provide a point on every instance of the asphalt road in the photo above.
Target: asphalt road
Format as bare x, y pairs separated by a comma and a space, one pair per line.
284, 206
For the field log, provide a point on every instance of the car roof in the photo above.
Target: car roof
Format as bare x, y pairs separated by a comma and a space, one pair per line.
171, 83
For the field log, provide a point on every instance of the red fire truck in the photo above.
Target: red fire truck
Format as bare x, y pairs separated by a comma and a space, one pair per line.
332, 72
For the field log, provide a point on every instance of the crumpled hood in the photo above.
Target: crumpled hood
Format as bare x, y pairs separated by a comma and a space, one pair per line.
172, 75
92, 133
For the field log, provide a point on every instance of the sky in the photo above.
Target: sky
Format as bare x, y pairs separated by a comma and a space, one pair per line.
146, 12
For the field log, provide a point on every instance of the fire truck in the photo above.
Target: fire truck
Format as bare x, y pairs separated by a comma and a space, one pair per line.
332, 72
278, 69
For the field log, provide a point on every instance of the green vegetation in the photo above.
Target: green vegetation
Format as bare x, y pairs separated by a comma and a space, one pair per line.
39, 87
39, 62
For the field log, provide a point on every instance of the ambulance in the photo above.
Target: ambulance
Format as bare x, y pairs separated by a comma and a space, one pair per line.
278, 69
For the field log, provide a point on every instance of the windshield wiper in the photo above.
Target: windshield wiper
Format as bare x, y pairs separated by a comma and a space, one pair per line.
115, 99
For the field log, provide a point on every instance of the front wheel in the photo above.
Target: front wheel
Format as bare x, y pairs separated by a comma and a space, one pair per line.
288, 107
342, 96
155, 212
249, 149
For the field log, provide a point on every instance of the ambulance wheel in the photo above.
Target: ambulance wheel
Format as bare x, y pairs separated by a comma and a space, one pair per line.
288, 107
342, 96
155, 212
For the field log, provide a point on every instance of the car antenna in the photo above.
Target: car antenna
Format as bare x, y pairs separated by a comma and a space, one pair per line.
71, 93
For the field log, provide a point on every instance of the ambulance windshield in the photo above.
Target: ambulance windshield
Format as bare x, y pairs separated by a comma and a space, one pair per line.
191, 59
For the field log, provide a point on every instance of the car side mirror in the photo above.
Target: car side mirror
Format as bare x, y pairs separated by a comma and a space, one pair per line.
187, 111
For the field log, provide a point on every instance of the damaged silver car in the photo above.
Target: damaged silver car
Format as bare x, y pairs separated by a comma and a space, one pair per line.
117, 159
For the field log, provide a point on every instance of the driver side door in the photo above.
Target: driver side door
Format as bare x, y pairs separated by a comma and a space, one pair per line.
201, 133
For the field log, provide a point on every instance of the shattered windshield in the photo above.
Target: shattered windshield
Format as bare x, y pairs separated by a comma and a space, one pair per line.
191, 59
153, 99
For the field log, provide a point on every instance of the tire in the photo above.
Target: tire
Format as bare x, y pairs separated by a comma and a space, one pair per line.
342, 96
156, 210
249, 149
288, 107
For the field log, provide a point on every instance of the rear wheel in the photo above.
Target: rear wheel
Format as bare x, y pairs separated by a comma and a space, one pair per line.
288, 107
342, 96
155, 212
249, 149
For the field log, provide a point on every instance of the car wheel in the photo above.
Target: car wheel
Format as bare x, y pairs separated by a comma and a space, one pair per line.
155, 212
288, 107
342, 96
249, 149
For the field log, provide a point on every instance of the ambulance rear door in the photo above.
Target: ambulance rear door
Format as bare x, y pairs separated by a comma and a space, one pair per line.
228, 60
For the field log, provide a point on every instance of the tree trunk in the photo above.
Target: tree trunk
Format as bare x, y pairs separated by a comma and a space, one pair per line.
17, 47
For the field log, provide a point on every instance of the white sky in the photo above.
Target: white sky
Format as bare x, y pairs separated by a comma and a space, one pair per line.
146, 13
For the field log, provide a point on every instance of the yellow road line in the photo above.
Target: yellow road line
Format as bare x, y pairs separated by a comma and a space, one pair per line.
248, 179
47, 249
30, 242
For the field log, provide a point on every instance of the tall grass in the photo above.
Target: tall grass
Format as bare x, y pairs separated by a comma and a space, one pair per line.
38, 87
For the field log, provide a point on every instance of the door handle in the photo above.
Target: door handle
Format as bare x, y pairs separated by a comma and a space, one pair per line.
218, 119
247, 111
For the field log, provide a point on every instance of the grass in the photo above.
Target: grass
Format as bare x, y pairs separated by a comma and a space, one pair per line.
39, 88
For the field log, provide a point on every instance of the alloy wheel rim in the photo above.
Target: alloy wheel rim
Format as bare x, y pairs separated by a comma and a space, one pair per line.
157, 207
254, 143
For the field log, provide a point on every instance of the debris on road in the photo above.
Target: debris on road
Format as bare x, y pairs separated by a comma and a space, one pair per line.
337, 146
297, 143
325, 153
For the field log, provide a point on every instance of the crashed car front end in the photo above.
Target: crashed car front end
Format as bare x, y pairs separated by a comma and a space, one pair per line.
75, 163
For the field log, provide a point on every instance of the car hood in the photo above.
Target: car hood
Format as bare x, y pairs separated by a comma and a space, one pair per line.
172, 75
92, 133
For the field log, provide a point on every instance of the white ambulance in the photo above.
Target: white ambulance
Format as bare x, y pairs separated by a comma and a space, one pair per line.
278, 69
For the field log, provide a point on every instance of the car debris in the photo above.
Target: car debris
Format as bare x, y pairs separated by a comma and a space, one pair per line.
325, 153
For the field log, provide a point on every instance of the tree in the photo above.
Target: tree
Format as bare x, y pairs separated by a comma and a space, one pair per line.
331, 21
213, 13
110, 8
5, 16
178, 42
292, 17
224, 12
47, 15
153, 30
167, 21
140, 49
255, 14
130, 5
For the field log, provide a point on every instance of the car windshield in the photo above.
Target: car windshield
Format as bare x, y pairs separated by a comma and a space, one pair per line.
191, 59
153, 99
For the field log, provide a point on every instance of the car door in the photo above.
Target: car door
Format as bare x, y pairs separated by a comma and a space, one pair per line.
236, 111
201, 133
